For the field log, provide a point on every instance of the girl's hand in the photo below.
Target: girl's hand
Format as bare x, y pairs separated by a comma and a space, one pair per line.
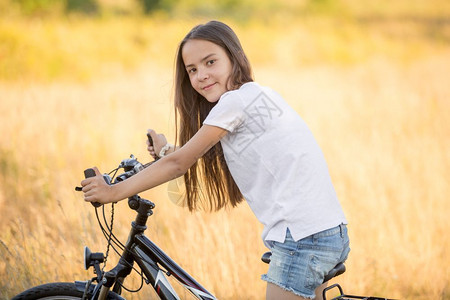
159, 141
95, 189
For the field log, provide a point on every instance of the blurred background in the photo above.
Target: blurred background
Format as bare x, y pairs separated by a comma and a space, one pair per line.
82, 80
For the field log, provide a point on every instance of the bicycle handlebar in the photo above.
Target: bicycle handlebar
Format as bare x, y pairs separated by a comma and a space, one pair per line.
130, 165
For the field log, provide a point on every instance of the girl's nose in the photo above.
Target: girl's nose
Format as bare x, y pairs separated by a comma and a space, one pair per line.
202, 74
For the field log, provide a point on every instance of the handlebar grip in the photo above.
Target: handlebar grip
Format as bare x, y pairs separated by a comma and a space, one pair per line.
91, 173
150, 140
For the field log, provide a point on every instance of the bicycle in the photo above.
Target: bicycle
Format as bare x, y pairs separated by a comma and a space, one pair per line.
154, 264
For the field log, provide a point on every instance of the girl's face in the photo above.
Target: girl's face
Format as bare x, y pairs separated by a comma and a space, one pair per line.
208, 67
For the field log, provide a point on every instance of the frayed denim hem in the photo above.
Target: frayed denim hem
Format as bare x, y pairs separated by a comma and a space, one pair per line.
289, 289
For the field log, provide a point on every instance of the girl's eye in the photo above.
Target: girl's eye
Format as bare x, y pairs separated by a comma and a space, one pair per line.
210, 62
191, 71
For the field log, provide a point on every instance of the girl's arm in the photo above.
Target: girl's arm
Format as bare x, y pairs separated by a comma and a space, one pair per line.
165, 169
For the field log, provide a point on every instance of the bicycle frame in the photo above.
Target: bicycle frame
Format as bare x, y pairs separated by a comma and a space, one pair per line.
145, 248
149, 257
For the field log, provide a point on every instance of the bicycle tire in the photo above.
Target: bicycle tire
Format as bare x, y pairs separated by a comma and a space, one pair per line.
57, 290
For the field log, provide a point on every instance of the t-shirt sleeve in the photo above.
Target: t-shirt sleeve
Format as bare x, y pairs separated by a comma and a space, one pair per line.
228, 113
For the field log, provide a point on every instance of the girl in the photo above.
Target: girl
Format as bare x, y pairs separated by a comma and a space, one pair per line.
266, 155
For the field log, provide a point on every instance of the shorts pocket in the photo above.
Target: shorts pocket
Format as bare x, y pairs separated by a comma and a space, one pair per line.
319, 265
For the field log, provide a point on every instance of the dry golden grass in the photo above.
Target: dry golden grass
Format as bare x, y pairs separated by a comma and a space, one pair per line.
383, 126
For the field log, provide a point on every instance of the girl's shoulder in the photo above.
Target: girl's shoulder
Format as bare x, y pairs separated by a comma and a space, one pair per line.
251, 86
246, 91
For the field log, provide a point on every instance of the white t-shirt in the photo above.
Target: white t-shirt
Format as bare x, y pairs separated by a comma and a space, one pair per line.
276, 163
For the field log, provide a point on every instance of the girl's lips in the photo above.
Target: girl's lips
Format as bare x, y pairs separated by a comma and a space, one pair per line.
208, 87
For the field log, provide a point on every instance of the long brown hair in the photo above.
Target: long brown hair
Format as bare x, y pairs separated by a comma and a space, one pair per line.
209, 183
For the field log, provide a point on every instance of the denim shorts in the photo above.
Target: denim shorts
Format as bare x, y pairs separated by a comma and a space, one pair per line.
301, 266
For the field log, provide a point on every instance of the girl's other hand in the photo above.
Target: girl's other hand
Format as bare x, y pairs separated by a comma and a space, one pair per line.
159, 141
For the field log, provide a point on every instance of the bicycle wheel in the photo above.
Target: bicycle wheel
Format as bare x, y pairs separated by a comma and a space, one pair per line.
57, 290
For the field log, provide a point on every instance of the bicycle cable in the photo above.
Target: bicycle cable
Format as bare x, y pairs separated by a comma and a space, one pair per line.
110, 234
139, 288
107, 232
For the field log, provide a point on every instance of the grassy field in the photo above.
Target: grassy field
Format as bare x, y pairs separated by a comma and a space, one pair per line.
82, 92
